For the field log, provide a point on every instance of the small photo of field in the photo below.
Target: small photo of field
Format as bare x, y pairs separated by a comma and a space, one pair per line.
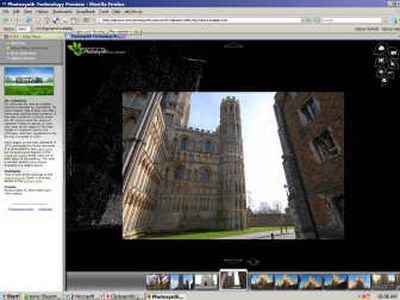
27, 81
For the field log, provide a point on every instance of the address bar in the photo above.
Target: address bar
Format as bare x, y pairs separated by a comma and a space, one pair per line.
178, 20
214, 20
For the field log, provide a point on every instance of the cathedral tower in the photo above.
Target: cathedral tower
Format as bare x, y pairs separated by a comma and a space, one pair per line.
232, 213
176, 108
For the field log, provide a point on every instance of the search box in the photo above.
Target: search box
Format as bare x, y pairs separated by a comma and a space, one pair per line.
351, 20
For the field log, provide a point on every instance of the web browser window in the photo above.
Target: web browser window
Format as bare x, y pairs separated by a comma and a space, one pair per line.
171, 150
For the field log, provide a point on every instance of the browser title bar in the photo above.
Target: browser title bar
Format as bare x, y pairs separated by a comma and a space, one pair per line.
197, 3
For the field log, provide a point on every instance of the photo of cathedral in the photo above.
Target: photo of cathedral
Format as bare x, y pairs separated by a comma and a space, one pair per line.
179, 179
286, 281
311, 281
335, 282
262, 281
185, 179
359, 282
158, 282
208, 281
384, 281
233, 279
182, 281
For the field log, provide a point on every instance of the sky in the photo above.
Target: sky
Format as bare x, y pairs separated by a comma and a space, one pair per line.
44, 72
264, 173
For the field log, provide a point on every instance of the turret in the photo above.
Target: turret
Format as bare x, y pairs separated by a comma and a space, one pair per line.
176, 108
232, 214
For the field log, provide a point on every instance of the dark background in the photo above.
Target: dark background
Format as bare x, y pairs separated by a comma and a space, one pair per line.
94, 87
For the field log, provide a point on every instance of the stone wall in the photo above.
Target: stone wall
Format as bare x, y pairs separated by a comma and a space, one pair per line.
189, 202
264, 219
313, 148
144, 150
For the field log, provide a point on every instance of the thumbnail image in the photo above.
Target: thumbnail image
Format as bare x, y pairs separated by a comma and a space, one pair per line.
216, 165
383, 282
286, 281
206, 281
359, 282
233, 279
398, 281
158, 282
311, 282
262, 281
335, 282
182, 281
26, 81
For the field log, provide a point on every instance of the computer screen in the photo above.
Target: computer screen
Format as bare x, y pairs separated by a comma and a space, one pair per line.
170, 150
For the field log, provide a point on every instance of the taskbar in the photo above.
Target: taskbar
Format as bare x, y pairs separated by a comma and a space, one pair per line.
182, 295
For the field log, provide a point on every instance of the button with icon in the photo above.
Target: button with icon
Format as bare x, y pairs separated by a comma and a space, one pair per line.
393, 52
393, 64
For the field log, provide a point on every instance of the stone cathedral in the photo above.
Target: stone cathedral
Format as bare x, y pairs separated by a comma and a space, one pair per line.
177, 178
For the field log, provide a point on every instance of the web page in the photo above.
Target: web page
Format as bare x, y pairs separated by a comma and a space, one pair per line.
191, 152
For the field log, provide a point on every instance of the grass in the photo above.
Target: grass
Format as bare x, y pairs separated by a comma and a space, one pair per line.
25, 90
211, 234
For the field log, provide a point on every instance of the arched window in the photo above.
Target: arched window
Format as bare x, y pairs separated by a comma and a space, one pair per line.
205, 176
309, 111
207, 147
184, 144
178, 174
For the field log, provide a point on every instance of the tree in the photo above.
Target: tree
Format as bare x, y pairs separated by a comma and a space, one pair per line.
264, 207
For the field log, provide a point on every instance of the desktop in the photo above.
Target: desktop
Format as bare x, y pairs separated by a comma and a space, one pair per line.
171, 150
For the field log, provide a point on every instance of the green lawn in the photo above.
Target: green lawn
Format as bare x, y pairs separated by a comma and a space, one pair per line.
26, 90
210, 234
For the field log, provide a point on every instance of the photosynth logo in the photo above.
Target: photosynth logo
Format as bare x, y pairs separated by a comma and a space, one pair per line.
76, 48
